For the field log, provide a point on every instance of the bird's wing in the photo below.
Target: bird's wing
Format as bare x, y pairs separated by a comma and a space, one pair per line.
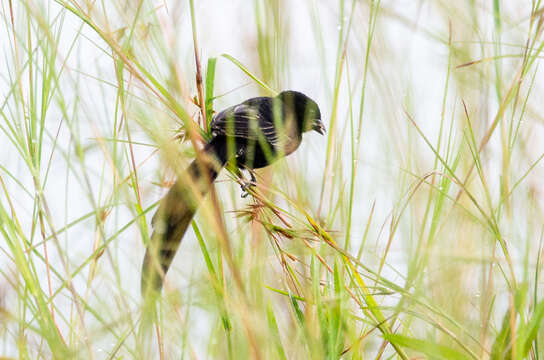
235, 121
248, 120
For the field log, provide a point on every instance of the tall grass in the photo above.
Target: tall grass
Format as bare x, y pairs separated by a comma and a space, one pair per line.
412, 230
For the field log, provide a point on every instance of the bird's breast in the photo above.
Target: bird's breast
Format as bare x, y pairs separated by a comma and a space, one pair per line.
289, 146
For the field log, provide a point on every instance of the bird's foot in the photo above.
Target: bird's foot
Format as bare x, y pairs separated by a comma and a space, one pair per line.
245, 186
248, 184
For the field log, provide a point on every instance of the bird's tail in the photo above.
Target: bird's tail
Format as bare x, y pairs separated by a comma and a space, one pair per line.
175, 213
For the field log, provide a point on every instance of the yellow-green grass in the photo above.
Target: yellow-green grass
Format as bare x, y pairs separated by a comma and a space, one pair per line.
412, 230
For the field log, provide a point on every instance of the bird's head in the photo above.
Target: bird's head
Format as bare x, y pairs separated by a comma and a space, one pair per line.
306, 111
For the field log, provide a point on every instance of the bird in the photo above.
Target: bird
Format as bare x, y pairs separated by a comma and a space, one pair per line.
251, 135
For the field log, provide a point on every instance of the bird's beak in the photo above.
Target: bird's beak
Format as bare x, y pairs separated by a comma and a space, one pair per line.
319, 127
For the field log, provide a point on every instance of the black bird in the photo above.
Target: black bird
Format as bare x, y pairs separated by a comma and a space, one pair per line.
253, 135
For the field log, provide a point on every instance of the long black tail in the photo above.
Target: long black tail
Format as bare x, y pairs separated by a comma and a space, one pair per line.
176, 211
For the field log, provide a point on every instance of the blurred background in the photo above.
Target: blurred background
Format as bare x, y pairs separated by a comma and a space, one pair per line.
413, 229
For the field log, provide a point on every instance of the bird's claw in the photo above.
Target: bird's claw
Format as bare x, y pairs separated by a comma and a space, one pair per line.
248, 184
245, 186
